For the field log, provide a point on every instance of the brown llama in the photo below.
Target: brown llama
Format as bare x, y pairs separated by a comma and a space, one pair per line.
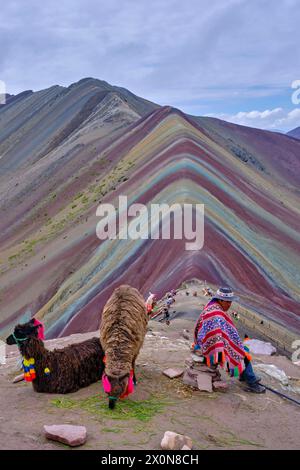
62, 370
122, 332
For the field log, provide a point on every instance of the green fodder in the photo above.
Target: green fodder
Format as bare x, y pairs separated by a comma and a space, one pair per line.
142, 410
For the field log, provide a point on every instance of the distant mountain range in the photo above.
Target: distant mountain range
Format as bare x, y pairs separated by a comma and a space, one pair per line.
63, 150
294, 133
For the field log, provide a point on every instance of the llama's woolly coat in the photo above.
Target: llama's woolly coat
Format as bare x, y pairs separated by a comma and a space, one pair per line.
123, 329
70, 368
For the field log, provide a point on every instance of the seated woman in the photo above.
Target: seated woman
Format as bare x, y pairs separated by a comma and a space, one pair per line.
219, 342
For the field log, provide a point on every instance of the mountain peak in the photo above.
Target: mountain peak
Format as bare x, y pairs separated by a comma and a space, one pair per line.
294, 133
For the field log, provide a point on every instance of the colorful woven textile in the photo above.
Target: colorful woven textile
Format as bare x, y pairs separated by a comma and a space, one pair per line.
219, 340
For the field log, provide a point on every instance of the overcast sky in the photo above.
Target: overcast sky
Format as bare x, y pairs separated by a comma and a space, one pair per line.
234, 59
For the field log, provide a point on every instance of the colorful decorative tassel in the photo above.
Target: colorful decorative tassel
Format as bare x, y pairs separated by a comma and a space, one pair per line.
130, 386
247, 352
29, 370
223, 358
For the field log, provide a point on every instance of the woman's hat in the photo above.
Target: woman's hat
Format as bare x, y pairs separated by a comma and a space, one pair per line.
225, 293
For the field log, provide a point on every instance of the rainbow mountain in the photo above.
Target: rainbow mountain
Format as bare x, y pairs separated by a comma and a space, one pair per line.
65, 150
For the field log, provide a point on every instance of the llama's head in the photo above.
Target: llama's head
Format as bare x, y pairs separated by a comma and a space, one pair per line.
117, 387
24, 332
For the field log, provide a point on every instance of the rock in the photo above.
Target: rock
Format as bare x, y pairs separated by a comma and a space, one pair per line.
217, 377
18, 378
274, 372
198, 359
189, 362
191, 372
191, 381
260, 347
220, 386
185, 334
66, 433
203, 368
297, 363
204, 382
173, 373
174, 441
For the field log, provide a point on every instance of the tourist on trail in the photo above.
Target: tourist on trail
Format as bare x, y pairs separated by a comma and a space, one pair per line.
166, 316
150, 303
217, 339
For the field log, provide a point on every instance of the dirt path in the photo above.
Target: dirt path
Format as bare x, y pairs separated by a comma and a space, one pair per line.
232, 420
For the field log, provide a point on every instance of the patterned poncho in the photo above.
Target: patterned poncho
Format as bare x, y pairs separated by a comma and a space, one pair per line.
219, 340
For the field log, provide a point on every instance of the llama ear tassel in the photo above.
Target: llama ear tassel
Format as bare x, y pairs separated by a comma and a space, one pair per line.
40, 329
106, 384
130, 387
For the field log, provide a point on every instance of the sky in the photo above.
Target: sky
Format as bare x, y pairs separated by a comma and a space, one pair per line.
232, 59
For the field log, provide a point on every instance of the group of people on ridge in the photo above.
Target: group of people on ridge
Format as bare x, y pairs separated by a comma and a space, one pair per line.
151, 306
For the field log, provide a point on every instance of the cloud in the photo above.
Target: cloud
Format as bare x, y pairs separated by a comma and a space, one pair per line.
271, 119
170, 51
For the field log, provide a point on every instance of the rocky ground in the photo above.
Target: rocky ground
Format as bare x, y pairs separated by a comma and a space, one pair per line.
232, 420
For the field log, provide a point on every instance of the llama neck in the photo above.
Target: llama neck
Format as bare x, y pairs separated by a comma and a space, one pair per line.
33, 348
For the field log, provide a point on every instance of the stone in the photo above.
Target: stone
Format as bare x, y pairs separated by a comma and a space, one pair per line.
174, 441
274, 372
191, 372
191, 381
185, 334
198, 359
200, 378
204, 382
195, 369
260, 347
217, 377
18, 378
220, 386
173, 373
214, 375
66, 433
204, 368
189, 362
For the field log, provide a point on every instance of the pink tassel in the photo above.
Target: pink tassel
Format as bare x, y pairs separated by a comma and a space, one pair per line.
41, 330
130, 386
106, 384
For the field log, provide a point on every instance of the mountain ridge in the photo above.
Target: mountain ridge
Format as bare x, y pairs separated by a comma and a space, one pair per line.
50, 253
294, 133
